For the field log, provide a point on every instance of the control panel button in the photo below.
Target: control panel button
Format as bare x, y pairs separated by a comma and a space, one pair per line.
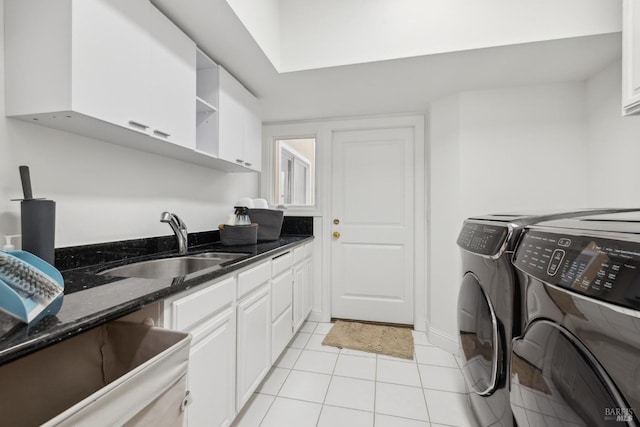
604, 269
556, 260
564, 242
482, 239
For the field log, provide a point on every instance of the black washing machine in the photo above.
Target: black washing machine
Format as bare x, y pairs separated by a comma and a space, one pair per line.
489, 308
577, 361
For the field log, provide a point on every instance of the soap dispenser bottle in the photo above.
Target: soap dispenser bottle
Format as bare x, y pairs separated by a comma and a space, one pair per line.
8, 245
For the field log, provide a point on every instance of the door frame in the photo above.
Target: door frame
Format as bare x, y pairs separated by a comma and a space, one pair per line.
323, 131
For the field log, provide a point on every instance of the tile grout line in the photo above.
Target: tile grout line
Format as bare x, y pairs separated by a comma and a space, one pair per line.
424, 395
280, 388
333, 374
375, 390
328, 387
376, 380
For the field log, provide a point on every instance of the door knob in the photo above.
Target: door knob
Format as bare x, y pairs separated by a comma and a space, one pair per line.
336, 235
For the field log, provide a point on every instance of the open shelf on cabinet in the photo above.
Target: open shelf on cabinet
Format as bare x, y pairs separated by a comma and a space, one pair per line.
206, 82
203, 106
206, 105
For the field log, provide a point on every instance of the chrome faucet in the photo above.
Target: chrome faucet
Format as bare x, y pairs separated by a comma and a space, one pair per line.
179, 228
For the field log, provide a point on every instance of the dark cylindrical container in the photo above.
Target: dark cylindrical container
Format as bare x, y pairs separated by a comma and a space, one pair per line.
269, 223
39, 228
231, 235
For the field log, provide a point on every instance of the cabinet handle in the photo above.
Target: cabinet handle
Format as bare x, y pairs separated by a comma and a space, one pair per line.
186, 401
159, 132
138, 124
239, 160
247, 164
281, 255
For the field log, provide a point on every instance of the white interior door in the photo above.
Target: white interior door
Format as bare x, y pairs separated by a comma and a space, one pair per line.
373, 212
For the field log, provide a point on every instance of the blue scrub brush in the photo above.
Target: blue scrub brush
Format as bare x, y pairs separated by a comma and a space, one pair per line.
26, 279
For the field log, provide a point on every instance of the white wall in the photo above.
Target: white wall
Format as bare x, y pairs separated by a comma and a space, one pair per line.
520, 146
492, 151
445, 216
317, 34
106, 192
614, 143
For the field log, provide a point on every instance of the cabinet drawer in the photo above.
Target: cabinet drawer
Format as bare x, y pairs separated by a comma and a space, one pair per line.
281, 293
200, 305
298, 254
281, 333
281, 263
253, 278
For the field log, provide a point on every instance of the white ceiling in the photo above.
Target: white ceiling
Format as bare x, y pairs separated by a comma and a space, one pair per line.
380, 87
301, 35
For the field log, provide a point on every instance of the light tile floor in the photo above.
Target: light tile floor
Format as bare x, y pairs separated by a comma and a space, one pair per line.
319, 386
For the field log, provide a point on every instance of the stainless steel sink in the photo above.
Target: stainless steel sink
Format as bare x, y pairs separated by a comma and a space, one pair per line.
171, 267
226, 256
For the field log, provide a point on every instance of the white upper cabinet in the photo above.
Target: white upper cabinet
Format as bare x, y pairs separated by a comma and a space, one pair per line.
253, 134
110, 60
173, 82
240, 127
631, 57
121, 71
77, 65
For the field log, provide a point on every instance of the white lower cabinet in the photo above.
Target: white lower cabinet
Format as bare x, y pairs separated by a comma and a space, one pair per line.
302, 285
281, 329
298, 295
253, 346
209, 315
211, 379
307, 288
240, 326
281, 303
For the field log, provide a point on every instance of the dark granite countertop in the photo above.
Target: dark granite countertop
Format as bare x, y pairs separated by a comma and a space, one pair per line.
91, 299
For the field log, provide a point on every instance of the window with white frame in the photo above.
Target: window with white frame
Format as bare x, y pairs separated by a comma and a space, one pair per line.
294, 172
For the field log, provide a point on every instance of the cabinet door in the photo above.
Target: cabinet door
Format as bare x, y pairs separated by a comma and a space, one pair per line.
631, 57
298, 296
173, 82
231, 118
252, 154
281, 293
282, 333
253, 343
111, 61
307, 291
211, 378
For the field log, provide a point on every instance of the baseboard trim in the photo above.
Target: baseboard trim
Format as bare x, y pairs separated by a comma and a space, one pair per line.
318, 316
443, 340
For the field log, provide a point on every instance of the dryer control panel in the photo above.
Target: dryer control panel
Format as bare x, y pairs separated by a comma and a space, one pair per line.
482, 238
604, 269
